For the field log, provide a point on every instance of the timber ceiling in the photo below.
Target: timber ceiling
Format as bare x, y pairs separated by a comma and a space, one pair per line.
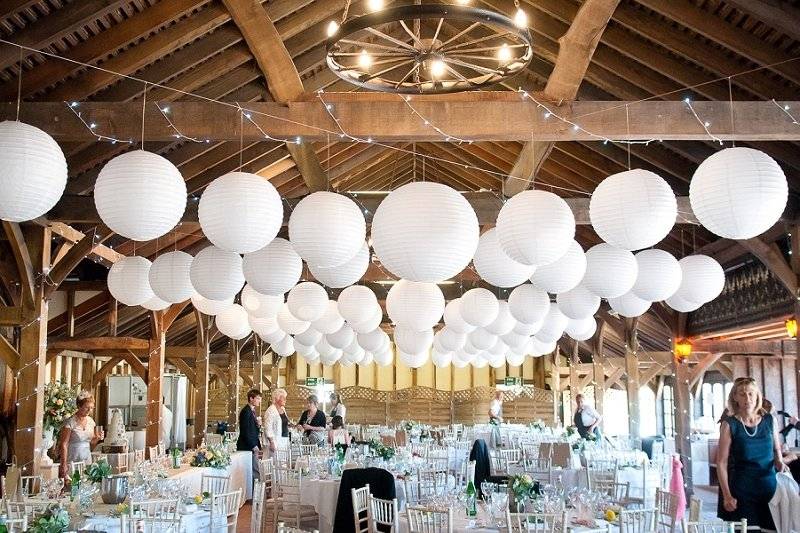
650, 48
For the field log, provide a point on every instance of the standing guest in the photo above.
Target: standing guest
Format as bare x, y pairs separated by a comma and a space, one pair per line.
78, 436
748, 458
250, 427
312, 421
338, 434
337, 407
277, 424
586, 419
165, 424
496, 408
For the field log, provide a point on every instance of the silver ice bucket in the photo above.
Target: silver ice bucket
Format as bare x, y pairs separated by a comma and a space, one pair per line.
114, 488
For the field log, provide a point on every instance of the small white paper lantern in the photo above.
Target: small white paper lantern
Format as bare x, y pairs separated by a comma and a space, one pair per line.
331, 320
659, 275
441, 360
384, 358
738, 193
307, 301
217, 274
155, 304
331, 358
233, 322
326, 350
285, 347
540, 347
240, 212
34, 172
479, 362
523, 328
346, 274
499, 348
409, 341
450, 339
128, 280
582, 329
371, 323
140, 195
504, 321
425, 231
367, 360
514, 340
290, 323
564, 274
169, 277
309, 337
210, 307
416, 305
496, 361
610, 271
578, 303
459, 363
274, 269
479, 307
494, 266
514, 359
412, 360
535, 227
304, 351
482, 339
703, 278
374, 340
629, 305
273, 337
263, 325
453, 319
327, 229
554, 324
260, 305
341, 339
528, 304
678, 303
634, 209
357, 303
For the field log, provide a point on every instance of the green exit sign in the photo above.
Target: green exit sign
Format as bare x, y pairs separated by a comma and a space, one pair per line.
512, 381
313, 382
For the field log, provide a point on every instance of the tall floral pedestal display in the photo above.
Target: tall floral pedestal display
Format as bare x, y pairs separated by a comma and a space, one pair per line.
48, 440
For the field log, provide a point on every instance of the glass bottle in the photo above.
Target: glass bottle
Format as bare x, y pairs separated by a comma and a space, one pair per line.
472, 495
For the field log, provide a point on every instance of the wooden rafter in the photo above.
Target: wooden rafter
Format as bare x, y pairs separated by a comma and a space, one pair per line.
771, 256
8, 353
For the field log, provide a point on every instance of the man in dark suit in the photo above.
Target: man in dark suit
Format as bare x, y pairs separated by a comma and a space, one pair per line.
250, 428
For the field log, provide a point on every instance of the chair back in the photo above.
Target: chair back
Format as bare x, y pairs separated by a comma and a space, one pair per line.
152, 453
618, 493
695, 509
214, 484
637, 520
138, 456
429, 519
162, 449
77, 466
533, 522
384, 513
666, 511
716, 526
155, 509
31, 485
601, 470
225, 510
308, 449
26, 508
150, 524
257, 513
360, 506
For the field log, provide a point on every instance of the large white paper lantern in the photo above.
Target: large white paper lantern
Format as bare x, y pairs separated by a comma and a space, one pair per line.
233, 322
412, 360
128, 280
528, 304
384, 357
629, 305
307, 301
514, 359
169, 277
410, 341
140, 195
368, 359
341, 339
273, 337
499, 348
260, 305
535, 227
416, 305
309, 337
263, 325
210, 307
514, 340
216, 274
582, 329
240, 212
34, 172
274, 269
578, 303
479, 307
738, 193
290, 323
469, 348
703, 278
504, 321
634, 209
441, 360
425, 231
371, 323
155, 304
453, 319
331, 320
374, 340
541, 347
554, 324
285, 347
357, 303
564, 274
523, 328
346, 274
610, 271
678, 303
450, 339
305, 351
493, 265
482, 339
327, 229
659, 275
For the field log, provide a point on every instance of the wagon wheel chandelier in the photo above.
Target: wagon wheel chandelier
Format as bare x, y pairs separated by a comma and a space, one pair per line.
428, 48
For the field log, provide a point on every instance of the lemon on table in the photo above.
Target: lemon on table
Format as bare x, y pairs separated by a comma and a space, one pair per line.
611, 515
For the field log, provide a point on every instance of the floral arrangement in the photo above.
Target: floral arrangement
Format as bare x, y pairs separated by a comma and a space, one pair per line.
98, 471
211, 455
120, 510
381, 450
538, 425
53, 520
524, 487
59, 404
340, 450
408, 425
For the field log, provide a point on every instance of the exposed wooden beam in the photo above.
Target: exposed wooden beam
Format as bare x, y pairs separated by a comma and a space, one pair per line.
136, 364
749, 347
771, 256
778, 14
93, 380
67, 263
697, 371
184, 368
8, 353
91, 344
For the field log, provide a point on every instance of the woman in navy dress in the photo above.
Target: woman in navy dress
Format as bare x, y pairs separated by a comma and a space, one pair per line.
749, 456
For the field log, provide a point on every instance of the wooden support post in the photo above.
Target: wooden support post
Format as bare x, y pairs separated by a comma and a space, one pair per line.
683, 417
632, 370
555, 379
155, 382
201, 378
598, 369
112, 317
70, 313
233, 377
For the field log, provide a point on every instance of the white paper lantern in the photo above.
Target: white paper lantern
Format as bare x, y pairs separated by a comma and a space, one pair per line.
659, 275
330, 359
582, 329
564, 274
217, 274
703, 278
307, 301
290, 323
504, 321
453, 319
273, 337
346, 274
499, 348
412, 360
371, 323
514, 359
441, 360
528, 304
309, 337
357, 303
459, 363
34, 172
140, 195
128, 280
416, 305
372, 341
482, 339
634, 209
469, 348
524, 328
341, 339
514, 340
496, 361
240, 212
409, 341
738, 193
326, 350
384, 358
285, 347
355, 356
263, 325
540, 347
479, 362
331, 320
678, 303
493, 265
169, 277
535, 227
233, 322
368, 359
450, 340
260, 305
210, 307
629, 305
479, 307
425, 231
274, 269
155, 304
610, 271
526, 348
304, 351
554, 324
578, 303
327, 229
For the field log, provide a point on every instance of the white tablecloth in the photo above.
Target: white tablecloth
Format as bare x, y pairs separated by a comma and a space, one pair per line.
638, 479
197, 521
240, 472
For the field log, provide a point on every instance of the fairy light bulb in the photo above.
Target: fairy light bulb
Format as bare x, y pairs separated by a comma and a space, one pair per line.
364, 59
462, 2
504, 54
437, 68
521, 19
333, 28
375, 5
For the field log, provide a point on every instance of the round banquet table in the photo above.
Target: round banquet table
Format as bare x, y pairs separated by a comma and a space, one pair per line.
196, 521
643, 482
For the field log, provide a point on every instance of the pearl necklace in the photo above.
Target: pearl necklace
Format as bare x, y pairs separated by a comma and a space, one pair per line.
745, 428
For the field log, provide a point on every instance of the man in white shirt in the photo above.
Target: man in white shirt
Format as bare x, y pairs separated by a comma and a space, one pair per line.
586, 419
496, 408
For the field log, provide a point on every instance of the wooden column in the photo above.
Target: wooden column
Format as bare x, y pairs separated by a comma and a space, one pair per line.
598, 369
155, 373
683, 420
201, 378
233, 378
632, 370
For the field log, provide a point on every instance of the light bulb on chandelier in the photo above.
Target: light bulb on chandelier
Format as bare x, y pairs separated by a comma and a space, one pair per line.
520, 18
333, 27
375, 5
504, 54
364, 59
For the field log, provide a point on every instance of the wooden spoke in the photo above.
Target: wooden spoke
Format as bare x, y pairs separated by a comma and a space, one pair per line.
415, 68
365, 45
474, 41
460, 34
411, 33
438, 29
476, 68
391, 39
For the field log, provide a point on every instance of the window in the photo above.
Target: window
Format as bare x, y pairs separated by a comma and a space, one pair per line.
668, 404
647, 411
615, 407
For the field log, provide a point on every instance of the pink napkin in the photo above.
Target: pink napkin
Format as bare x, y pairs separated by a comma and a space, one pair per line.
676, 487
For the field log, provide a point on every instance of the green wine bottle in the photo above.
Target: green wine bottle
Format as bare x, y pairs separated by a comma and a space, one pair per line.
472, 494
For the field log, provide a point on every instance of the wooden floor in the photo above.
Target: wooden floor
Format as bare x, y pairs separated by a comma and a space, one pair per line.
243, 525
